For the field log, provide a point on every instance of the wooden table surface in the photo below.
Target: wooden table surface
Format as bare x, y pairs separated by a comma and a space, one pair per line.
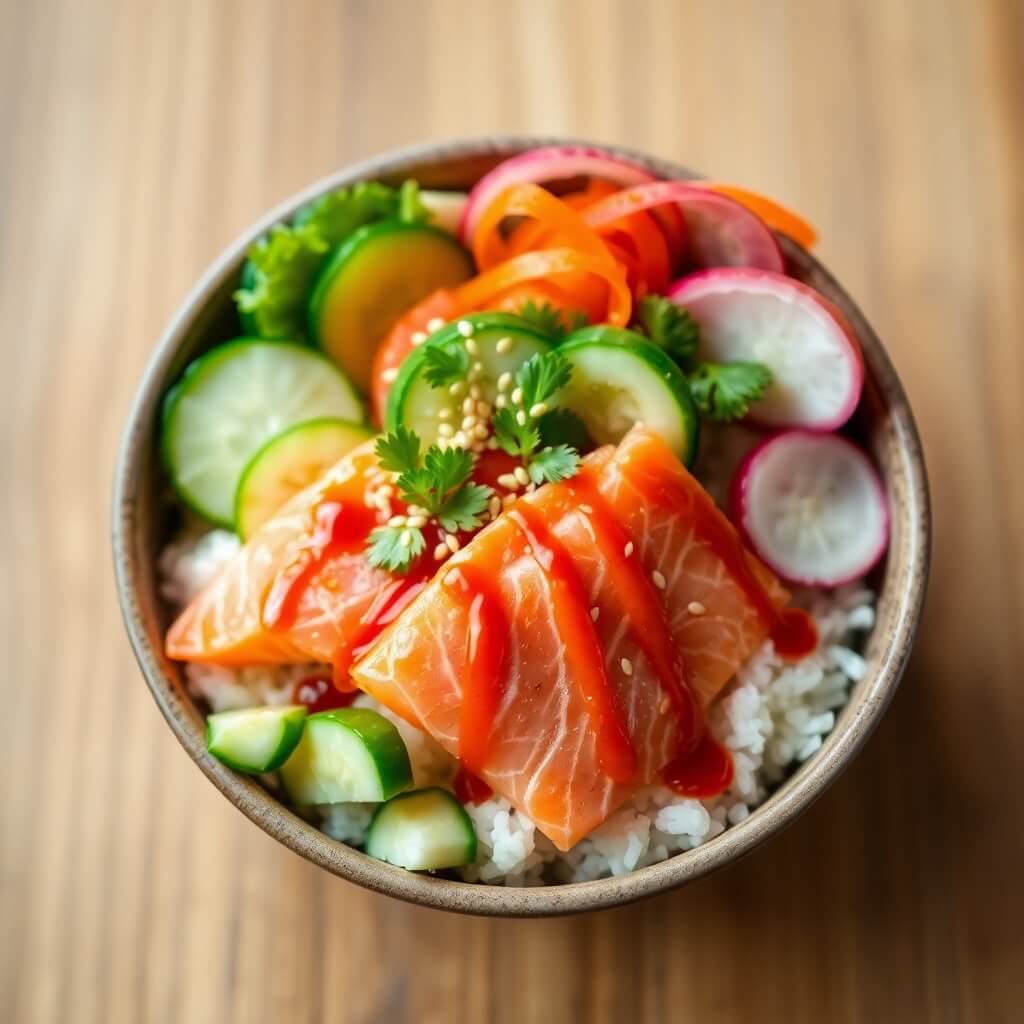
139, 137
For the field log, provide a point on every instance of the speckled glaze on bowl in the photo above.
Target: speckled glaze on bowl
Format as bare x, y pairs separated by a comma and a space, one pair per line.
141, 520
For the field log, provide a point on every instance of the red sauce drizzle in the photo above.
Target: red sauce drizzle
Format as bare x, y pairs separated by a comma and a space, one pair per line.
704, 771
470, 788
338, 528
792, 629
487, 640
318, 693
615, 751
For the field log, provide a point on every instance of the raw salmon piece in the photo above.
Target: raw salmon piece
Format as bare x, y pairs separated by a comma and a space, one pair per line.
542, 753
224, 623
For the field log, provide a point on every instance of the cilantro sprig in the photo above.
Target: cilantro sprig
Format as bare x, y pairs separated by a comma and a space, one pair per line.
444, 365
284, 263
721, 391
436, 481
551, 321
517, 427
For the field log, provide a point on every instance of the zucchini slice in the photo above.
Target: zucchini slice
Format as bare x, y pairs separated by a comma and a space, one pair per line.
425, 830
255, 740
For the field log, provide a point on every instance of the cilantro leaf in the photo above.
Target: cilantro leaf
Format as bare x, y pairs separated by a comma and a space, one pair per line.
448, 467
399, 451
283, 265
463, 508
444, 364
517, 439
670, 327
550, 320
542, 376
386, 550
724, 391
563, 426
550, 465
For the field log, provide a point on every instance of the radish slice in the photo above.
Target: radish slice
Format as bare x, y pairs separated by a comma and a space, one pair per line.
812, 507
720, 231
547, 163
799, 335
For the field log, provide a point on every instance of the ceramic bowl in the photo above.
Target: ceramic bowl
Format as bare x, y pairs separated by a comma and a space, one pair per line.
142, 518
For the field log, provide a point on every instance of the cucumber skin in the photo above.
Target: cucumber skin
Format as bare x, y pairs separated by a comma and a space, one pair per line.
292, 733
449, 333
270, 442
177, 390
658, 360
605, 333
383, 809
373, 729
337, 260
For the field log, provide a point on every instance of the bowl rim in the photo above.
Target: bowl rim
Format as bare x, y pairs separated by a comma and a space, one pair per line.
796, 794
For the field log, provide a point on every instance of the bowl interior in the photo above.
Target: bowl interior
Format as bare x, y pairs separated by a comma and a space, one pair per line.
144, 515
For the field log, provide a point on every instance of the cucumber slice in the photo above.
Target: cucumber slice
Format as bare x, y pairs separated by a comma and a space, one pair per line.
257, 739
605, 332
413, 403
229, 402
287, 464
425, 830
616, 385
374, 276
350, 754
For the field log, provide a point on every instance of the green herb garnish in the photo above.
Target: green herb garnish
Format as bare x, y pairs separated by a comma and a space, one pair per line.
669, 327
553, 322
724, 391
444, 365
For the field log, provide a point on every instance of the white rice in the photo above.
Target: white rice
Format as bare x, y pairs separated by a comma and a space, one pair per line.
772, 716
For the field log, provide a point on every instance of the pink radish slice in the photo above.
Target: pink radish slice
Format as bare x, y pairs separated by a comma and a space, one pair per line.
720, 231
768, 318
812, 507
545, 164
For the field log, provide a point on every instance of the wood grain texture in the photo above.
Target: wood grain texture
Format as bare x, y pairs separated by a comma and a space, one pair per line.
138, 138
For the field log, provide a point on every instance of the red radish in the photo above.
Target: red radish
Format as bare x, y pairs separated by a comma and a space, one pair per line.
762, 317
547, 163
720, 231
812, 507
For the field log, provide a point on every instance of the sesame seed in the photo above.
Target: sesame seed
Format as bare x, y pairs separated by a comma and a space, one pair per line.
594, 612
451, 578
521, 418
416, 522
386, 491
445, 430
460, 440
480, 431
696, 608
465, 328
389, 374
415, 510
627, 666
468, 406
476, 445
440, 553
444, 414
531, 487
509, 499
664, 705
468, 422
494, 505
435, 325
508, 481
628, 549
457, 389
452, 542
492, 444
472, 347
517, 396
504, 344
477, 367
396, 521
538, 409
521, 475
500, 402
587, 510
418, 337
504, 381
659, 579
406, 539
483, 409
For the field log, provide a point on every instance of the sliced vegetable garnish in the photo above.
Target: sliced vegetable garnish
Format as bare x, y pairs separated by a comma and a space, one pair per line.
371, 280
444, 208
748, 315
502, 342
352, 754
426, 830
255, 740
230, 402
813, 508
287, 464
615, 385
774, 214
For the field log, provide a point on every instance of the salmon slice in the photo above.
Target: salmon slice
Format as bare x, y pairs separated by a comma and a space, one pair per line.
225, 625
544, 751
